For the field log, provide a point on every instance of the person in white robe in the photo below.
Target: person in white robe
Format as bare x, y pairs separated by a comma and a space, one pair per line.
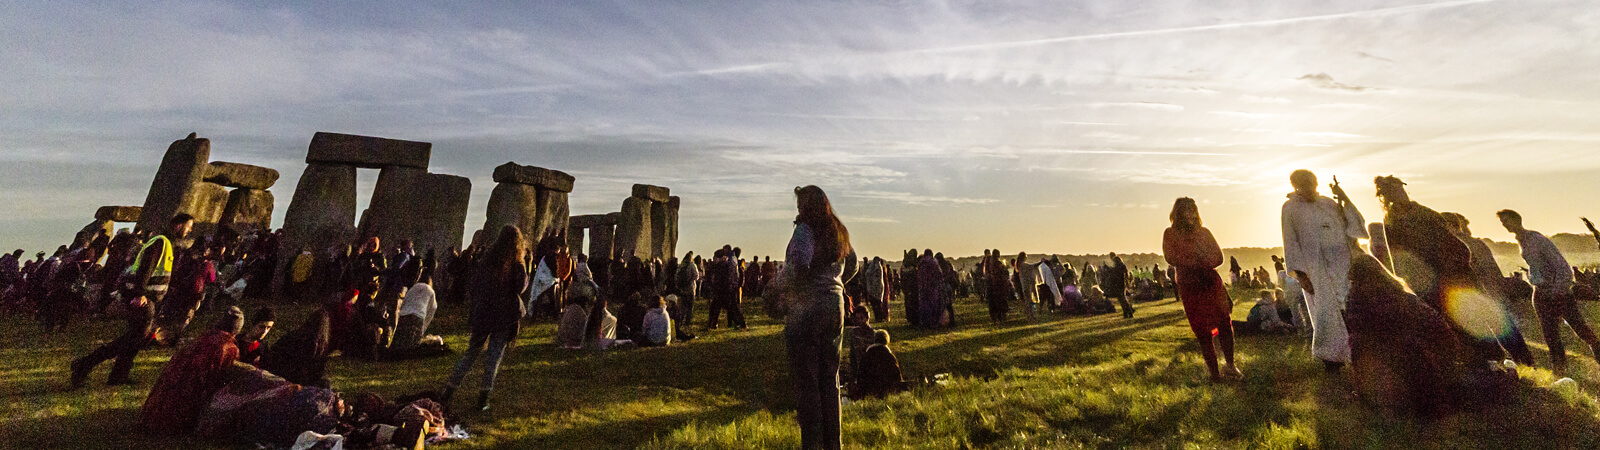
1318, 238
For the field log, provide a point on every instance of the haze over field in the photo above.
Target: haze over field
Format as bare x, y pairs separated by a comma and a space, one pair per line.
1039, 126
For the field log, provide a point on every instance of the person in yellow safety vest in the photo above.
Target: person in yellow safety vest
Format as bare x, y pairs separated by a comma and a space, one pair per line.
143, 286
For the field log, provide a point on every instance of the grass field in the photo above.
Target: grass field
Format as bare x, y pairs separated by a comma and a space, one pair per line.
1098, 381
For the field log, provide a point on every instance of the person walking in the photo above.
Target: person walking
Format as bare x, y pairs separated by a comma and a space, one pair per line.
818, 262
1552, 290
496, 311
1192, 249
144, 285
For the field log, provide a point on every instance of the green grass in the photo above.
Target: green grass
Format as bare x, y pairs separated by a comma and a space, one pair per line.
1098, 381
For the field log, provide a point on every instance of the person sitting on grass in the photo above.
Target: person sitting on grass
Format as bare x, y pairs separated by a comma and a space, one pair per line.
1266, 316
601, 331
416, 313
574, 322
251, 342
1194, 251
186, 384
301, 356
656, 328
879, 371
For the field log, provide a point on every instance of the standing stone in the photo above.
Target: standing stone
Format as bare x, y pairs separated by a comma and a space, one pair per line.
670, 243
553, 213
574, 239
323, 210
206, 202
394, 197
511, 204
118, 213
633, 229
658, 231
248, 210
601, 242
440, 214
366, 151
182, 167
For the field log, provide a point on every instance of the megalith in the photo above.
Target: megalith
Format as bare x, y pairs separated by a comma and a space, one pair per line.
323, 210
633, 229
182, 167
367, 152
669, 244
532, 198
118, 213
248, 210
598, 229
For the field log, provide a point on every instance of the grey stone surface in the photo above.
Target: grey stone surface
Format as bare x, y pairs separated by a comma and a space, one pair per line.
323, 210
510, 204
206, 202
118, 213
511, 172
553, 212
182, 167
658, 231
393, 198
592, 220
670, 243
427, 208
248, 210
601, 242
366, 151
652, 193
574, 239
237, 175
633, 229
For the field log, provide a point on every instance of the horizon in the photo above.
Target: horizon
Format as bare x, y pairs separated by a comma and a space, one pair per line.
1058, 128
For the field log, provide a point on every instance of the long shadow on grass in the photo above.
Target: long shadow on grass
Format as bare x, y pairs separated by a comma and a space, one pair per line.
1048, 345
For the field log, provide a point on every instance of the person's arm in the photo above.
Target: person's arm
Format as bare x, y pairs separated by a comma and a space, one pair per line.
1592, 230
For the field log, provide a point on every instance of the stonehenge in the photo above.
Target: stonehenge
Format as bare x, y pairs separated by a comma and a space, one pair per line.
407, 202
532, 198
189, 182
646, 226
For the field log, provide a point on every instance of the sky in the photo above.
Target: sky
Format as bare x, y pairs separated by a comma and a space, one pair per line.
1049, 127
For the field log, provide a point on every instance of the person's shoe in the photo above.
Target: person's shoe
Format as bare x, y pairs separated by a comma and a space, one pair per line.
121, 382
80, 374
483, 401
1232, 372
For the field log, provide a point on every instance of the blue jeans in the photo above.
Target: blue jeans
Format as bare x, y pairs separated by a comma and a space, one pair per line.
497, 342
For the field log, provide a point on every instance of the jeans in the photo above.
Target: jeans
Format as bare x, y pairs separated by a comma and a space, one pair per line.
497, 342
813, 346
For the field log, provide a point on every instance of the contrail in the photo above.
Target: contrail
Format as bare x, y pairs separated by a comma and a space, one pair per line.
747, 68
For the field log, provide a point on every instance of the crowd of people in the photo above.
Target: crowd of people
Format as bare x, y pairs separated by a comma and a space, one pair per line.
1405, 312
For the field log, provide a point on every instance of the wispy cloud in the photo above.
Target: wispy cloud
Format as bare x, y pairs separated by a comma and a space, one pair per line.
1154, 106
1325, 81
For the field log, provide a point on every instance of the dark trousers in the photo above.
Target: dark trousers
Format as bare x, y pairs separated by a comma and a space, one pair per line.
124, 349
683, 313
1122, 299
1554, 305
731, 304
813, 347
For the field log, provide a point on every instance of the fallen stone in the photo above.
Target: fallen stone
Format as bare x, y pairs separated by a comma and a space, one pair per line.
511, 172
237, 175
366, 151
118, 213
651, 193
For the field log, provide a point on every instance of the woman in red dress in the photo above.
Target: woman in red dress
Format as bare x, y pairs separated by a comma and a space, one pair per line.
1194, 252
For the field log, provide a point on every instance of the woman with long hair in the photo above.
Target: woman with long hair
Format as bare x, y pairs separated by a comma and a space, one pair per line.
496, 312
818, 262
1194, 251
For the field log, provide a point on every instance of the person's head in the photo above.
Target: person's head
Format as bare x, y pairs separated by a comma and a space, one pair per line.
260, 324
180, 226
1511, 220
831, 238
880, 337
231, 321
1266, 294
656, 301
1391, 190
405, 246
736, 252
372, 245
1305, 184
1185, 214
17, 253
927, 253
508, 248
